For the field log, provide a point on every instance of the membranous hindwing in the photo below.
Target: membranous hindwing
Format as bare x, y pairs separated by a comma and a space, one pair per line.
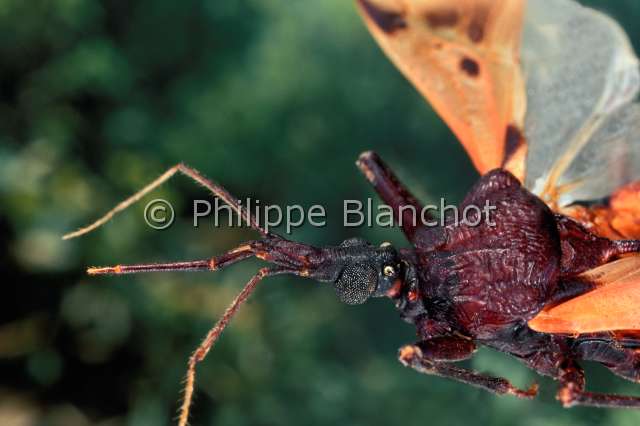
581, 126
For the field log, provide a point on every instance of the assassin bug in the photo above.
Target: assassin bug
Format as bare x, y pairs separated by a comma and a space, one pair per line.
461, 285
555, 281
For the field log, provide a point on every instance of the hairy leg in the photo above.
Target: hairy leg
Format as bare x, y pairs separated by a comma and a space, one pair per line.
557, 362
435, 357
572, 393
207, 343
213, 264
625, 362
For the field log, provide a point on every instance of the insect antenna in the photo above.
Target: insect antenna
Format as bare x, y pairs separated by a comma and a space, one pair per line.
191, 173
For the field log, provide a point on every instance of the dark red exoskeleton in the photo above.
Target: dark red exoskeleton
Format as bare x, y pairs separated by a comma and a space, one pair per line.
461, 285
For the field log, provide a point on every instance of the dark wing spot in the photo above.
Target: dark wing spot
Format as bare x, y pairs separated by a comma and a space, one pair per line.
475, 31
387, 21
442, 18
470, 66
513, 139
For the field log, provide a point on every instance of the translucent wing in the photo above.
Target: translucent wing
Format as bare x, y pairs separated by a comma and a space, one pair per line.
610, 159
581, 75
611, 306
463, 57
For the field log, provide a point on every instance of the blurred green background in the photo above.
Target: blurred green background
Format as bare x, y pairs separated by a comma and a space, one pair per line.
275, 99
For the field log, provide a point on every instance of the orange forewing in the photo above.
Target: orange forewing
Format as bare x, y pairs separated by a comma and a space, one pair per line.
463, 56
618, 219
611, 306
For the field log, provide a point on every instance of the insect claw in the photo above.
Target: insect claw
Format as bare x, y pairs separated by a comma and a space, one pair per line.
530, 393
509, 389
408, 354
104, 270
566, 396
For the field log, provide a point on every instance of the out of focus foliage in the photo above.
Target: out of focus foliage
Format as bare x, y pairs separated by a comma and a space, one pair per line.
274, 99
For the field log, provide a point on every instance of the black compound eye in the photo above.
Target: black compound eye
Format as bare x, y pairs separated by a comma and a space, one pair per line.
356, 283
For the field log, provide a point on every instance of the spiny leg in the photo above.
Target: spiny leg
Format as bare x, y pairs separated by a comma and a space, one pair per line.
211, 337
435, 357
572, 393
406, 208
215, 189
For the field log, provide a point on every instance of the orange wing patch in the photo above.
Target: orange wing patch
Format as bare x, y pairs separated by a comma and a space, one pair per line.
463, 57
618, 219
611, 306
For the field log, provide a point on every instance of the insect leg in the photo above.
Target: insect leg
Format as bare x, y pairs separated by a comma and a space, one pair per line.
211, 337
215, 263
582, 250
407, 209
624, 362
436, 355
290, 257
572, 393
215, 189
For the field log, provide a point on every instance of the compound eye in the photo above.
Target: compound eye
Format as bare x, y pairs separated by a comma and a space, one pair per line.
389, 271
356, 283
